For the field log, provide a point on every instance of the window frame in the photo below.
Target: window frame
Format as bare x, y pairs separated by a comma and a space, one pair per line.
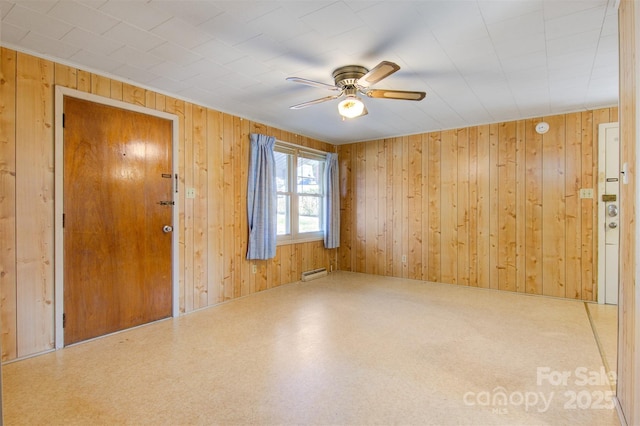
295, 152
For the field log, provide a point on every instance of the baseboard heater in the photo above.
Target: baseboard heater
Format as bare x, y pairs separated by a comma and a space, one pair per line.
313, 274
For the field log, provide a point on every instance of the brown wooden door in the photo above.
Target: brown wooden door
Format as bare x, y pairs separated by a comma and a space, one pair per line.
117, 259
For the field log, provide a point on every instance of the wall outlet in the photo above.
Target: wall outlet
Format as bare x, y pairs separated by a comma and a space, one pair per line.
404, 258
586, 193
191, 193
254, 268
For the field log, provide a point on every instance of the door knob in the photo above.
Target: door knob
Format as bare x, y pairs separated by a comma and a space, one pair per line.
167, 228
612, 210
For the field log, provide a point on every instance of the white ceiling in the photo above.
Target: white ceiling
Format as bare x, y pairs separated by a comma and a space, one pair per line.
480, 61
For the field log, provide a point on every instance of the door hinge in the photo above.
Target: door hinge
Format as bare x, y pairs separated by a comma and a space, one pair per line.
166, 203
63, 219
64, 117
176, 183
64, 320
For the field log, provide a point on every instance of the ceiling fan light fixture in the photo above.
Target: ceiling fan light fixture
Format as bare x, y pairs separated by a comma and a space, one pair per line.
351, 107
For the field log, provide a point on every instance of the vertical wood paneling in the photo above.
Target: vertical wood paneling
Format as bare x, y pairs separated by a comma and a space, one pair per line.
483, 164
396, 207
346, 206
493, 206
177, 107
554, 208
533, 209
65, 76
462, 228
8, 273
116, 90
494, 214
473, 207
434, 207
100, 85
424, 274
212, 159
215, 208
381, 187
388, 184
84, 81
404, 221
188, 229
371, 207
34, 204
229, 213
360, 216
521, 224
200, 180
506, 206
573, 220
628, 384
588, 213
414, 195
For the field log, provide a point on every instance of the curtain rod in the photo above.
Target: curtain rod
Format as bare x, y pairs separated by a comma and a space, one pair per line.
293, 145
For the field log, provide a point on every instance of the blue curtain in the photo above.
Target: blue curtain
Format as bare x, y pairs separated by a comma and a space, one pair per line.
262, 198
332, 202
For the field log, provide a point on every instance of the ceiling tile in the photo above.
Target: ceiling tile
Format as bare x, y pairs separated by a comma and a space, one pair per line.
5, 7
83, 16
134, 37
41, 6
33, 21
47, 46
174, 53
136, 13
194, 12
11, 34
135, 58
499, 10
337, 18
135, 74
555, 9
478, 60
218, 51
590, 19
181, 33
91, 42
95, 62
229, 29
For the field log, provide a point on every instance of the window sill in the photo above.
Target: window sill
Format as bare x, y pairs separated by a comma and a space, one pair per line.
288, 241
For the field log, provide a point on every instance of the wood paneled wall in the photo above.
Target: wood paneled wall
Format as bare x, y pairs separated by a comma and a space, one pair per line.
628, 385
213, 159
494, 206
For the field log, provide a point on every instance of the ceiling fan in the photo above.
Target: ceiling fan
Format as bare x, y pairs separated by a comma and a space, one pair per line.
353, 79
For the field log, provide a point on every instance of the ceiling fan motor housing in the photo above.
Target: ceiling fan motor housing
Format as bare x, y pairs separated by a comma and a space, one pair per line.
348, 76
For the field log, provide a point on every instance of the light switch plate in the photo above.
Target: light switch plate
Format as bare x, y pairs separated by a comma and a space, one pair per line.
191, 193
586, 193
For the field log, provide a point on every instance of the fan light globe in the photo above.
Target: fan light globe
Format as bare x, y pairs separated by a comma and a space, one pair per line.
351, 107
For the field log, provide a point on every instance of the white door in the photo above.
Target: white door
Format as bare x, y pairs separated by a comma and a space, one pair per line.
608, 212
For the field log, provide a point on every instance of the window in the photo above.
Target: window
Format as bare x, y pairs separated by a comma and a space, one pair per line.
300, 187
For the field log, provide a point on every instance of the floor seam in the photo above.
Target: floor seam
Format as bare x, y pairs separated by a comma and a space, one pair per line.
601, 350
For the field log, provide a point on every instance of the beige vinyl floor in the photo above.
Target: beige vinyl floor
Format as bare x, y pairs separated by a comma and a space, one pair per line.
347, 349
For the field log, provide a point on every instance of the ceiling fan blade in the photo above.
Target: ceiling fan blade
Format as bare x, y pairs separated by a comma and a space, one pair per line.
316, 101
396, 94
377, 73
312, 83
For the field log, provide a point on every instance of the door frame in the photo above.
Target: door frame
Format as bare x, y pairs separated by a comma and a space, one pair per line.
60, 94
601, 210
